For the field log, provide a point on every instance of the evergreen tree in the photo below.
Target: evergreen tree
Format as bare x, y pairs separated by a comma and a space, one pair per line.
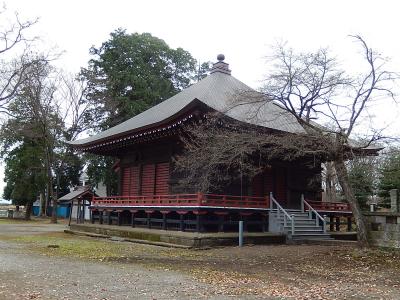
24, 174
363, 178
128, 74
390, 174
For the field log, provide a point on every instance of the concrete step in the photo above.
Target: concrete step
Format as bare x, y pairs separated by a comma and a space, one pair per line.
307, 232
310, 236
291, 212
310, 229
298, 221
300, 218
295, 217
304, 226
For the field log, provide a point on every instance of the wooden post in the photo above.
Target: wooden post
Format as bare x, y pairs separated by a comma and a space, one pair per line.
90, 211
84, 210
101, 215
70, 212
91, 217
198, 223
109, 221
77, 212
181, 223
221, 223
349, 224
132, 219
264, 223
331, 223
119, 218
199, 198
148, 221
164, 223
245, 223
337, 224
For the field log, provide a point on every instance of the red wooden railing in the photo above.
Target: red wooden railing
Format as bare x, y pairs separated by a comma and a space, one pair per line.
198, 199
330, 206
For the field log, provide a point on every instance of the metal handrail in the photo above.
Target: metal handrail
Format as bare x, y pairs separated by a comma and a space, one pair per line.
312, 210
285, 213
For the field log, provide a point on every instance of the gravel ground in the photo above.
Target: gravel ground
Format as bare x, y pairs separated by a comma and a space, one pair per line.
29, 269
33, 277
25, 275
29, 228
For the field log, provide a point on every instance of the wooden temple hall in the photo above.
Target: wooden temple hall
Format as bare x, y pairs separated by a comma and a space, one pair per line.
149, 193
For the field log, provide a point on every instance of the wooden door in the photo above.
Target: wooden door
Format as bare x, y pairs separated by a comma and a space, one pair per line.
162, 178
125, 181
130, 181
268, 182
280, 186
148, 179
134, 181
257, 186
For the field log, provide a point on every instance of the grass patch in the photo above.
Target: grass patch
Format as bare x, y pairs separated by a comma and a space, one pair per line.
31, 221
67, 245
20, 221
61, 244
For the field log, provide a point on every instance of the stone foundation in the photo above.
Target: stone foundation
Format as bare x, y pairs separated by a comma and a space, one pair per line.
190, 239
384, 229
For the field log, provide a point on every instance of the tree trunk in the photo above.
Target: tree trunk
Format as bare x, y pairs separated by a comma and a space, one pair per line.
43, 206
54, 203
351, 199
330, 189
28, 211
50, 186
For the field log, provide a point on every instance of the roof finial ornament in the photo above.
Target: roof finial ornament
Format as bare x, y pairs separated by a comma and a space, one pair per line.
220, 66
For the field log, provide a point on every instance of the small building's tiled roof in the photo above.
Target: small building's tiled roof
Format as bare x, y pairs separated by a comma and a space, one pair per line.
217, 91
78, 192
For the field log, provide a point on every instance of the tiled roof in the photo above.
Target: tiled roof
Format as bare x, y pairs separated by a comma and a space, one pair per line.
219, 91
79, 191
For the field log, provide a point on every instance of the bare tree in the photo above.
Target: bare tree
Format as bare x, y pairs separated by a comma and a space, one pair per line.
15, 58
73, 105
330, 181
72, 108
223, 150
325, 100
47, 111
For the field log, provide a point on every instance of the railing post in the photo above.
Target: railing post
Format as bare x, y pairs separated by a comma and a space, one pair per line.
324, 223
292, 224
199, 198
271, 204
316, 220
309, 213
302, 202
284, 220
240, 233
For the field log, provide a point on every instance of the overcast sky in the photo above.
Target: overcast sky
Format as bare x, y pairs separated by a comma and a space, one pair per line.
242, 30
